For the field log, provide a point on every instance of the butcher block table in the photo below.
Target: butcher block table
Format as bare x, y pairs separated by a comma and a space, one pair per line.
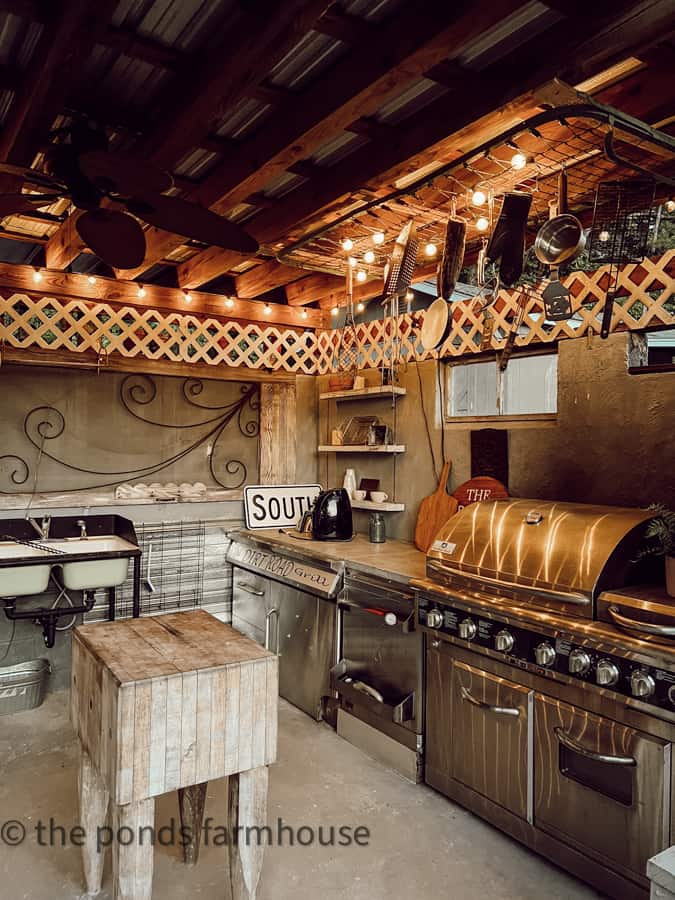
169, 703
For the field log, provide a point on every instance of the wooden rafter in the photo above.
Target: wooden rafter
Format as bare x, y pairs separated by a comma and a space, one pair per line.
110, 290
312, 288
264, 278
69, 30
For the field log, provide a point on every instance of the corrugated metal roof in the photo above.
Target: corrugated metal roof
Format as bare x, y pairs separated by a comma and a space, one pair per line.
247, 114
372, 10
306, 60
282, 184
337, 148
508, 35
185, 24
197, 164
18, 39
126, 81
416, 96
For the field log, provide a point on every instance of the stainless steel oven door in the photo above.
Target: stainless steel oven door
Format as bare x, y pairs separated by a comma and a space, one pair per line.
601, 786
253, 610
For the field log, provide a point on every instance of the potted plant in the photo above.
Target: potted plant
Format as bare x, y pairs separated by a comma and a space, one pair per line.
661, 535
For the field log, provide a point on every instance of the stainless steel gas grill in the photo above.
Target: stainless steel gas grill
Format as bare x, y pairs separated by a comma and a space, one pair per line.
550, 683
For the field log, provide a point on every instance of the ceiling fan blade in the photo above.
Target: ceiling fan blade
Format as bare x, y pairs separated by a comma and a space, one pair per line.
14, 204
115, 237
193, 221
123, 175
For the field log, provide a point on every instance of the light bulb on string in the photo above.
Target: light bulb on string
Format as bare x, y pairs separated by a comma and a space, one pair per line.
334, 311
229, 303
431, 249
353, 262
92, 279
361, 275
482, 223
378, 238
141, 292
478, 198
518, 160
670, 206
303, 314
603, 236
188, 296
360, 307
369, 256
37, 276
409, 296
267, 309
347, 245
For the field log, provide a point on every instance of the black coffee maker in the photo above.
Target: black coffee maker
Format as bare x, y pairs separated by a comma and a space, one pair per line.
332, 516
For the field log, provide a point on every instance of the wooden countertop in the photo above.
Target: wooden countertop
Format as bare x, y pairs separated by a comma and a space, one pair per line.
397, 560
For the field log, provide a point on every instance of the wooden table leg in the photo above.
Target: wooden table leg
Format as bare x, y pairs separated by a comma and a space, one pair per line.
191, 802
247, 809
93, 808
132, 850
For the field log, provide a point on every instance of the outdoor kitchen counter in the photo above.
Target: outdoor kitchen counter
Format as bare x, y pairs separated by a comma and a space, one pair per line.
396, 560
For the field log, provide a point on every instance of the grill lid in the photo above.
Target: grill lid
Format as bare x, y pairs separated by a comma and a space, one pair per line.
566, 548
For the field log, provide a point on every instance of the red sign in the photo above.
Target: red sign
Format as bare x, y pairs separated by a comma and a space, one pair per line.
481, 488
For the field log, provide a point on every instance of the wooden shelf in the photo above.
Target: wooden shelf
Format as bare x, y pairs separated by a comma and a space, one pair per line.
387, 506
386, 390
361, 448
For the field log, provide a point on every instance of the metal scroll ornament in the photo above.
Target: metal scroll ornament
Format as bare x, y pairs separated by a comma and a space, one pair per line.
43, 424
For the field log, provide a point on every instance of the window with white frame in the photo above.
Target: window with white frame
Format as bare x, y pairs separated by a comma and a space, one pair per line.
527, 388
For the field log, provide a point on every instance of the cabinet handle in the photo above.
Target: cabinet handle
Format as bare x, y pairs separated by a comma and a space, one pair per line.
268, 617
250, 590
497, 710
573, 745
641, 627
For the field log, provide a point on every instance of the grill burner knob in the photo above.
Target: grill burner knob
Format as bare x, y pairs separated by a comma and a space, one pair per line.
606, 673
642, 684
504, 641
579, 662
467, 629
544, 654
671, 694
434, 618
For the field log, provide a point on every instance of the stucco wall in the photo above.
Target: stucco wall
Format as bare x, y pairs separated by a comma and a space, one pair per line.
614, 441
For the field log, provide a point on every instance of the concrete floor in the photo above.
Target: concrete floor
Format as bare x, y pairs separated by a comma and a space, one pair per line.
421, 845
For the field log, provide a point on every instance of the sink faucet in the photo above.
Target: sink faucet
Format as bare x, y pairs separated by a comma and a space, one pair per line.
82, 525
43, 528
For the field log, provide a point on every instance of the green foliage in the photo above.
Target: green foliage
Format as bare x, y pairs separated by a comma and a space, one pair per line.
660, 533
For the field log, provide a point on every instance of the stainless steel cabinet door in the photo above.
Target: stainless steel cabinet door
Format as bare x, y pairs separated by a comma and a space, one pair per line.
306, 647
477, 730
251, 605
601, 786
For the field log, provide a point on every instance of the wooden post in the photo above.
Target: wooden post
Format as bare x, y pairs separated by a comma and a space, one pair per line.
93, 808
133, 850
191, 802
247, 818
277, 433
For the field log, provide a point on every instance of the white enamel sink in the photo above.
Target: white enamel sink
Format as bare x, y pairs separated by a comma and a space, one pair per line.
21, 581
87, 575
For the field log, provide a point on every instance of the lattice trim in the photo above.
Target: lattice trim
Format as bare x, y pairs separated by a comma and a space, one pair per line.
645, 299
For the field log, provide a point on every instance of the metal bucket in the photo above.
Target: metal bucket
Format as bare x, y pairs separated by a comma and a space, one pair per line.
23, 686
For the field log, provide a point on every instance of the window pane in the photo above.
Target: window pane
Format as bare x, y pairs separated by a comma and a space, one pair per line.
531, 385
473, 389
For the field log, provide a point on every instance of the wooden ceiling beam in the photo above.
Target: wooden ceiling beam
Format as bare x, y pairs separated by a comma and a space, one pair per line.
312, 288
138, 46
110, 290
69, 31
264, 278
362, 293
339, 24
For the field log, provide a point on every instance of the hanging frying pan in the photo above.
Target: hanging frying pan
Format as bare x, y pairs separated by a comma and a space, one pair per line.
562, 238
436, 325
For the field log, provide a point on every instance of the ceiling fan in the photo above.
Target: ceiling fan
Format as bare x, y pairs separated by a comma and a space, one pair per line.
82, 168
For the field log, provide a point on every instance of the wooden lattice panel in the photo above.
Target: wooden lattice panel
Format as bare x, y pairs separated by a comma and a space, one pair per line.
645, 300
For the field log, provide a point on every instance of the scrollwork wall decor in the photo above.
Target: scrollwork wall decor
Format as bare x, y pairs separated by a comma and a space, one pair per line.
45, 423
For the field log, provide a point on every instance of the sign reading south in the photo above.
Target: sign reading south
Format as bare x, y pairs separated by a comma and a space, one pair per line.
277, 506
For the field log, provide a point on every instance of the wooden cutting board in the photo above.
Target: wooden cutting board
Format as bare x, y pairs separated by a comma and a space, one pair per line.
434, 511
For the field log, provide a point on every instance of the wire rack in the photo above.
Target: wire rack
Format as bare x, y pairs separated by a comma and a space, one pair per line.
529, 157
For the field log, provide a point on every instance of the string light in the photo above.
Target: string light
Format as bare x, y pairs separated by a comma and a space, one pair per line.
378, 237
360, 307
478, 198
229, 303
141, 292
334, 311
303, 314
482, 223
188, 296
360, 275
670, 206
409, 295
267, 309
603, 236
92, 279
37, 276
347, 245
430, 249
353, 261
519, 160
369, 256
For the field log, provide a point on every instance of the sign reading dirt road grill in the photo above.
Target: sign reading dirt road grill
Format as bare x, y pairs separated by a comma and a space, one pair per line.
283, 568
277, 506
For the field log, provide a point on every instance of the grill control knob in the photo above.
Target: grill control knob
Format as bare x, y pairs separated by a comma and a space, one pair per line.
642, 684
607, 673
467, 629
579, 662
504, 641
544, 654
671, 694
434, 618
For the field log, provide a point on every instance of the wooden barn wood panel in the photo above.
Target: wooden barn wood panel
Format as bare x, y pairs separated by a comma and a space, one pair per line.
645, 300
